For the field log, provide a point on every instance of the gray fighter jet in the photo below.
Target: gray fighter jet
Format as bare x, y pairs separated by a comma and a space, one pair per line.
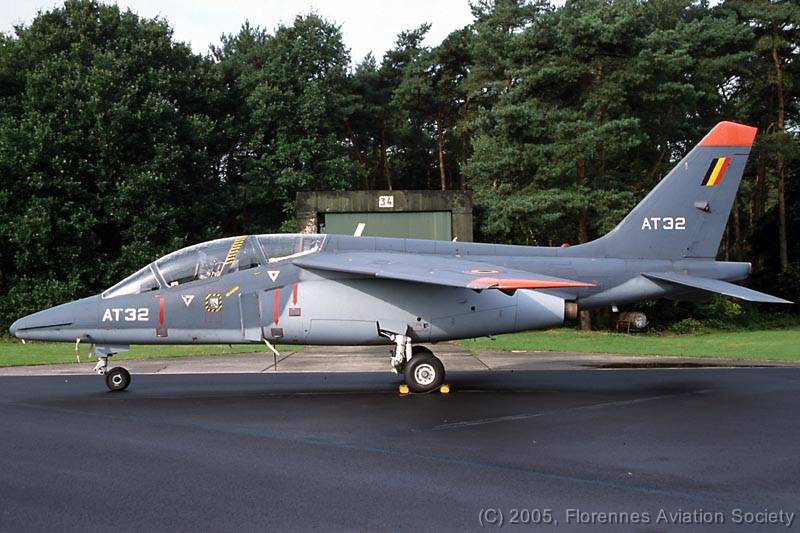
347, 290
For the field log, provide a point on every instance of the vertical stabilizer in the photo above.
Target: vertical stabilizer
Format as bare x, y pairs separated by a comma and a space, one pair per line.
685, 215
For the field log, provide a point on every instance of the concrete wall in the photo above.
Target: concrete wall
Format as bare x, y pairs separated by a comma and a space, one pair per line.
311, 204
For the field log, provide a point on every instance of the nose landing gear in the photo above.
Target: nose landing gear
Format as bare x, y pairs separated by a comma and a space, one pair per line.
118, 378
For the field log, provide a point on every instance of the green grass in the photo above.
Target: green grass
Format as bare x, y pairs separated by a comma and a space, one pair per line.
778, 345
14, 353
768, 344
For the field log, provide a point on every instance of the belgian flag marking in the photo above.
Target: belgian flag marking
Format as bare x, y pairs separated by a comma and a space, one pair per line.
716, 171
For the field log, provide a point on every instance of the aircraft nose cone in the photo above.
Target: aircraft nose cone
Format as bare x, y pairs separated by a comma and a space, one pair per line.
59, 323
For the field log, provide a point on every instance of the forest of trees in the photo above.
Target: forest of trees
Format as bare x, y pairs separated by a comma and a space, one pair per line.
119, 144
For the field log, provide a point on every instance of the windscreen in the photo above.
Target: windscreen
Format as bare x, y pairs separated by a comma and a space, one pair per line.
142, 281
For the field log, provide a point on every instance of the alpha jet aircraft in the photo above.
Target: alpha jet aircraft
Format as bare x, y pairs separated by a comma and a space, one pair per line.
347, 290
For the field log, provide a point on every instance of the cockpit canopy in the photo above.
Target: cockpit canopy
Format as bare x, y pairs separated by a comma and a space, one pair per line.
217, 258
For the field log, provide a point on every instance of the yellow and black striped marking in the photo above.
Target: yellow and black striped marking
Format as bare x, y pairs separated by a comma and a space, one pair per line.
234, 251
213, 302
716, 171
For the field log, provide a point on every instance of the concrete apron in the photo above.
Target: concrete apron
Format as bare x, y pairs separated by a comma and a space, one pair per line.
376, 359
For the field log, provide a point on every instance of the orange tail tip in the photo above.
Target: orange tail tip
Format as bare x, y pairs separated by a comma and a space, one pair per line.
495, 283
730, 134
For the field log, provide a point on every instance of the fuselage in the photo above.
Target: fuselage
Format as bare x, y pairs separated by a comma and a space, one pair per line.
262, 294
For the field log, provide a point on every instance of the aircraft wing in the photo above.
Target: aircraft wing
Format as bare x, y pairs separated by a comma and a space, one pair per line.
436, 270
715, 285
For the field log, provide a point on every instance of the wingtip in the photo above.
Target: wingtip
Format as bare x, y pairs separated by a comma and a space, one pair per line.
730, 134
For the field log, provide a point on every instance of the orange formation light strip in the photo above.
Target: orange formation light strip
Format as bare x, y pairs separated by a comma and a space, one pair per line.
276, 306
495, 283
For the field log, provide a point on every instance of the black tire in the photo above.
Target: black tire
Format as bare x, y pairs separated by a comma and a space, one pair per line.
118, 379
420, 349
424, 373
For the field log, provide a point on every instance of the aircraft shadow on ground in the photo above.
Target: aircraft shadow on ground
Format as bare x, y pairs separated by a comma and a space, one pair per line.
608, 385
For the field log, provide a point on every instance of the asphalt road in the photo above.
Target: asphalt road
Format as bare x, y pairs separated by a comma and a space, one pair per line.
329, 452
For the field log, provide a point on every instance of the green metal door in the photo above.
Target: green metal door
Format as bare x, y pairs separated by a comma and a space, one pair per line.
407, 224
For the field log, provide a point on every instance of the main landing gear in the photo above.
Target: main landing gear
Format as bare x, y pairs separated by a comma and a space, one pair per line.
423, 371
117, 379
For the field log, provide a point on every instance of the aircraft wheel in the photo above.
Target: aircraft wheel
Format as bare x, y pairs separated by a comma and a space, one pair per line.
118, 379
424, 373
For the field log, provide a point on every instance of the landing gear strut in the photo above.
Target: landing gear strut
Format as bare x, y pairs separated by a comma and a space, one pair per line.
402, 351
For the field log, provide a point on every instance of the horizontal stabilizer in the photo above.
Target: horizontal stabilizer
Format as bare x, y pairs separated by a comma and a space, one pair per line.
715, 285
435, 270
